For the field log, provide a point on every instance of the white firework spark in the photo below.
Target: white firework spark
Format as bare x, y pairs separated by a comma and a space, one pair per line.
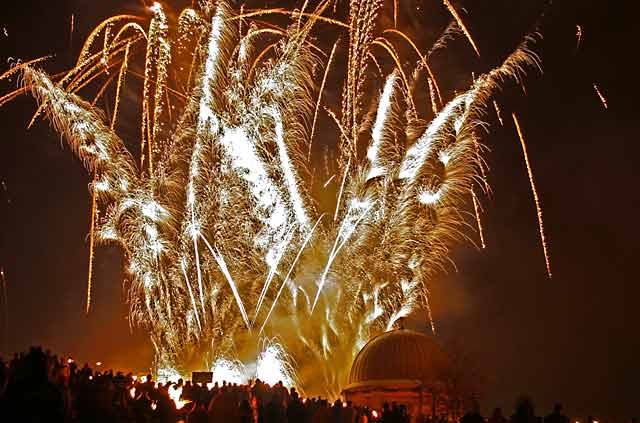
217, 220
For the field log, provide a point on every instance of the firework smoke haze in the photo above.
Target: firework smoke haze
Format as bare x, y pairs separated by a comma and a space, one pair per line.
230, 264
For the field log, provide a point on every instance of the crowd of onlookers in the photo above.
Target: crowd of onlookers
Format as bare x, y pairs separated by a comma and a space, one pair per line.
38, 386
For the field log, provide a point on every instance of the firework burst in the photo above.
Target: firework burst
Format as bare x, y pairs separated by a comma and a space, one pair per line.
230, 265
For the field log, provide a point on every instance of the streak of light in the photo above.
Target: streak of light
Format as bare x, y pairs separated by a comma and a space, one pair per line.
395, 13
21, 66
324, 80
121, 76
293, 265
476, 208
272, 273
263, 12
94, 215
335, 251
260, 56
578, 36
5, 306
304, 6
72, 29
603, 100
432, 96
423, 59
329, 181
225, 271
344, 179
102, 90
535, 196
498, 113
337, 122
193, 300
466, 32
385, 44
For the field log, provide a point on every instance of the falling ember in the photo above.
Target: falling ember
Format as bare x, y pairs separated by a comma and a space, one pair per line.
215, 213
72, 29
324, 80
94, 216
603, 100
535, 196
434, 106
461, 24
578, 36
498, 112
395, 13
476, 207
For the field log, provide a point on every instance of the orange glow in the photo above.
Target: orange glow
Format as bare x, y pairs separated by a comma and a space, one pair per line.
98, 363
132, 392
374, 413
70, 360
344, 404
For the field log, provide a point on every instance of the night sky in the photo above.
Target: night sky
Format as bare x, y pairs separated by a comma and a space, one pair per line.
573, 339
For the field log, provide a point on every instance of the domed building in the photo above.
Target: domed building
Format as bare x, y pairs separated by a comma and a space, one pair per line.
407, 367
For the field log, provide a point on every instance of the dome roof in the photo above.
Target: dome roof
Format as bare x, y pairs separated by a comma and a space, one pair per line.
400, 355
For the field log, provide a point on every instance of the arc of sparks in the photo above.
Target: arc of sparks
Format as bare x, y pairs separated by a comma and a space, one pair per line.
536, 198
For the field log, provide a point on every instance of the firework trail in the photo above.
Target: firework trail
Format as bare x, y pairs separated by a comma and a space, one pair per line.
476, 208
462, 26
498, 112
543, 238
578, 36
230, 265
602, 98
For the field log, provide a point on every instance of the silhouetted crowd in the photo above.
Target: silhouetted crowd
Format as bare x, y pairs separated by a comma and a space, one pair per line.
38, 386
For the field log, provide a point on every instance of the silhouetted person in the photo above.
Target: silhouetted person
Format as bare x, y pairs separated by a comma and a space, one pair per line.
474, 415
198, 414
525, 411
295, 409
497, 416
386, 416
556, 416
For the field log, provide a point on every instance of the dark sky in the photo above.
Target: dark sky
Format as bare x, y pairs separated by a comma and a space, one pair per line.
573, 339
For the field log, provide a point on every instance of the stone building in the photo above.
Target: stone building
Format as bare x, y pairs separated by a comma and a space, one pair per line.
407, 367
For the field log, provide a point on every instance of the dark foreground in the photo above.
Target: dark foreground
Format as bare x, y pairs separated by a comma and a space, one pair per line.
40, 387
